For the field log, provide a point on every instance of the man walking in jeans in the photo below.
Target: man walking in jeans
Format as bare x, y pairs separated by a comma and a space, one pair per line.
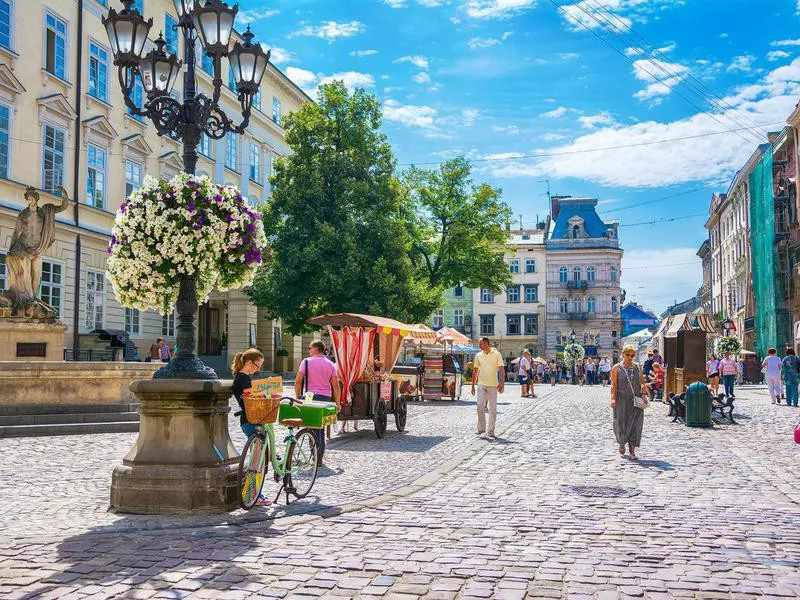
489, 375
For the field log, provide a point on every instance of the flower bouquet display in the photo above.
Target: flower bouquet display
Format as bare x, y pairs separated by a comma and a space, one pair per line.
185, 227
573, 353
728, 344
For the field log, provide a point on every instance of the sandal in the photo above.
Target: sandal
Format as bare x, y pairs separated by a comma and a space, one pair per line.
634, 457
622, 449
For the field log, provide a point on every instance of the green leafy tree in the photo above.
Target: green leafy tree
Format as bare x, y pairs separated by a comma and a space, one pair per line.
458, 228
335, 220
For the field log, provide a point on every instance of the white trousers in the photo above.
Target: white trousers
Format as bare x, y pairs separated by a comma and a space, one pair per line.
774, 385
487, 395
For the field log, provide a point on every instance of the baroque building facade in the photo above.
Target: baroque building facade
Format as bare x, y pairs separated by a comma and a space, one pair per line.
63, 121
584, 295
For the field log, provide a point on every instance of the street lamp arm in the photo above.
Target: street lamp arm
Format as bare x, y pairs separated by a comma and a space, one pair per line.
219, 124
127, 88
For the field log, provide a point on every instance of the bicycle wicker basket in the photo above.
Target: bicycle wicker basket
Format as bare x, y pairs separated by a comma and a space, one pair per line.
260, 410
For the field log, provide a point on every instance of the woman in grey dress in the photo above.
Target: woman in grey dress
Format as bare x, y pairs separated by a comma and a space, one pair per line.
628, 381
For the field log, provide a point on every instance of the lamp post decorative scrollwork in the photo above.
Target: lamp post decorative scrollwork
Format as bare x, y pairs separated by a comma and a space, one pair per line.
187, 119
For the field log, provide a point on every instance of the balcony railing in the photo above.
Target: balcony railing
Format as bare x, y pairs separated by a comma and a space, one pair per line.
578, 285
583, 243
577, 316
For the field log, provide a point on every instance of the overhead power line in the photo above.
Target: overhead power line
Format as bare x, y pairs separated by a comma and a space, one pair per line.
659, 221
629, 59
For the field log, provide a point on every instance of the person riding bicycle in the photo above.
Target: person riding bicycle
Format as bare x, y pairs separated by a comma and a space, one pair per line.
245, 364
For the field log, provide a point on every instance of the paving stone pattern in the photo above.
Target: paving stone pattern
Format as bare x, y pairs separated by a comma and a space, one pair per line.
549, 510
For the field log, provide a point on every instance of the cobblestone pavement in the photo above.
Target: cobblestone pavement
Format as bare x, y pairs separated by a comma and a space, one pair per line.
547, 510
54, 486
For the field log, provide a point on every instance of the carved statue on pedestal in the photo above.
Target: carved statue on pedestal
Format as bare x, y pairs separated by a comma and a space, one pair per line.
34, 233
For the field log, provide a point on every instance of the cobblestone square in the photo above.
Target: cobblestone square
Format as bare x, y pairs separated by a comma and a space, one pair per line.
547, 510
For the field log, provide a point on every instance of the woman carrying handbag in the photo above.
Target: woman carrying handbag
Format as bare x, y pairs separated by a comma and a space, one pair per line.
629, 393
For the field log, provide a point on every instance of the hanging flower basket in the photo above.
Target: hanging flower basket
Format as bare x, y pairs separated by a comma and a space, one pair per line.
185, 227
573, 353
728, 344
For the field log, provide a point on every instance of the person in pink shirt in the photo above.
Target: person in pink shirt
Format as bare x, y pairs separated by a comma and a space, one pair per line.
318, 374
728, 368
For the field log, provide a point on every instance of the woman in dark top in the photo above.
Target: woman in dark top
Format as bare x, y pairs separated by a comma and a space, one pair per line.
244, 365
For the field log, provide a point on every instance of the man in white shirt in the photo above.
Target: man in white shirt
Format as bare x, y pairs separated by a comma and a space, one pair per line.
488, 374
605, 370
771, 367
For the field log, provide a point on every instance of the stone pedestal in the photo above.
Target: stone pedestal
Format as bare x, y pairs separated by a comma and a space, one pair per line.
183, 461
31, 339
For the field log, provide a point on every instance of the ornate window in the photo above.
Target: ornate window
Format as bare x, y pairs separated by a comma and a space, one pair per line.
613, 304
563, 275
591, 304
576, 273
576, 305
564, 304
590, 273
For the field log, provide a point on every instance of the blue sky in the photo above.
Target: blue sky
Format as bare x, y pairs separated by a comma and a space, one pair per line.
568, 82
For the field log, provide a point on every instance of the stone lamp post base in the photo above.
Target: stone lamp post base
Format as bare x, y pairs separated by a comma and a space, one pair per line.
183, 461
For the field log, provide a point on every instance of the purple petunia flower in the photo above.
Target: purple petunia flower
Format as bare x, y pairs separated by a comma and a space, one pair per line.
191, 207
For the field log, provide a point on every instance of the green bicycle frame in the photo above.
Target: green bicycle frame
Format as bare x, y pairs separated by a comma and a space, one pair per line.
278, 465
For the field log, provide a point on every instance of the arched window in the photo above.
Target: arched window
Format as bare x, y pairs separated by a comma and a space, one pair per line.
613, 304
563, 274
564, 305
613, 273
576, 231
576, 305
585, 338
558, 338
591, 304
576, 273
590, 272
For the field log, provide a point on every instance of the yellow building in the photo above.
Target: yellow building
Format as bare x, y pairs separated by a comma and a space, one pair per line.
63, 121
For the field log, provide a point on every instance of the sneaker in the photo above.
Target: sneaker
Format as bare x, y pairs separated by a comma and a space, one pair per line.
263, 501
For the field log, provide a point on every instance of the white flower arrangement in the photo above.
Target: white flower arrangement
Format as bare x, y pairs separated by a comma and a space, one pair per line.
573, 353
729, 344
187, 226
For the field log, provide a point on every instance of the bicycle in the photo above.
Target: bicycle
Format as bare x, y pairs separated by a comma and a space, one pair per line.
297, 469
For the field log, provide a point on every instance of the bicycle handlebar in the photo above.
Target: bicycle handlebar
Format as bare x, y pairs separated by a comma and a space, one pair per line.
292, 401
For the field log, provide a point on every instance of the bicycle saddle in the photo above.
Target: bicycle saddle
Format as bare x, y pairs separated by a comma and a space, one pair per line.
292, 422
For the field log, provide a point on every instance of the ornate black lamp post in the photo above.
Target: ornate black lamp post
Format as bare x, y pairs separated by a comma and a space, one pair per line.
727, 326
188, 119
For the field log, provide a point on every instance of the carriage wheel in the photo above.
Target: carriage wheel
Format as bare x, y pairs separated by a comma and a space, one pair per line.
400, 413
379, 418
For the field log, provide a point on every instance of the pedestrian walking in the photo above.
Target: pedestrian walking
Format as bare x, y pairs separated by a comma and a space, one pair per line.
647, 366
591, 369
771, 368
739, 372
317, 374
579, 371
539, 373
605, 370
488, 374
553, 373
712, 372
155, 350
166, 353
245, 365
791, 377
524, 372
728, 369
656, 380
627, 384
657, 357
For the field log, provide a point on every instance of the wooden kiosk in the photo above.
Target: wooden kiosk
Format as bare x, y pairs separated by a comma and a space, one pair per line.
681, 339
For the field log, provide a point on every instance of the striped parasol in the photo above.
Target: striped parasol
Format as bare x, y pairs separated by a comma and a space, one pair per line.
352, 348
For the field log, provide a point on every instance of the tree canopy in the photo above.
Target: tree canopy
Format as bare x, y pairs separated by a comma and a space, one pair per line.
335, 220
458, 228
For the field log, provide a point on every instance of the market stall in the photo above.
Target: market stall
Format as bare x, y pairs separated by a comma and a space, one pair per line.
366, 350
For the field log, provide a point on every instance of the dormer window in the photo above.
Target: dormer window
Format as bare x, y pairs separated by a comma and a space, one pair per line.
576, 232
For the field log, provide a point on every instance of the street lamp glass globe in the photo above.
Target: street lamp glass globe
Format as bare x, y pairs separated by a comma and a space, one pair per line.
127, 33
248, 62
159, 70
184, 8
213, 19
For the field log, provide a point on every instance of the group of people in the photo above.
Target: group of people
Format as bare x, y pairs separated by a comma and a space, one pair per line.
780, 373
530, 371
590, 372
160, 351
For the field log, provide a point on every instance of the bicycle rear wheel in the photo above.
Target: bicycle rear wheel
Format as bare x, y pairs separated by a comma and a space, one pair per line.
252, 470
301, 464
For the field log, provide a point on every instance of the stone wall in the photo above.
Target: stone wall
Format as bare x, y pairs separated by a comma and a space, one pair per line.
60, 382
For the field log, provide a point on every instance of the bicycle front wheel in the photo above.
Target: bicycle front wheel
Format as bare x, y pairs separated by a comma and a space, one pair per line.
252, 470
301, 464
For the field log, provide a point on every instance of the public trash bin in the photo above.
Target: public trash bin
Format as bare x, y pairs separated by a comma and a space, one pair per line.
698, 405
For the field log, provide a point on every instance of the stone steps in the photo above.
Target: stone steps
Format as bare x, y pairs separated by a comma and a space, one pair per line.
69, 419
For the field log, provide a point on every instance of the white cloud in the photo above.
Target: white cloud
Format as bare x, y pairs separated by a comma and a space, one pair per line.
617, 15
419, 61
249, 16
409, 115
774, 55
278, 56
657, 278
469, 116
714, 156
421, 77
742, 63
477, 42
330, 30
496, 9
552, 137
395, 3
362, 53
507, 129
503, 156
568, 55
556, 113
634, 51
780, 43
660, 77
595, 121
309, 81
